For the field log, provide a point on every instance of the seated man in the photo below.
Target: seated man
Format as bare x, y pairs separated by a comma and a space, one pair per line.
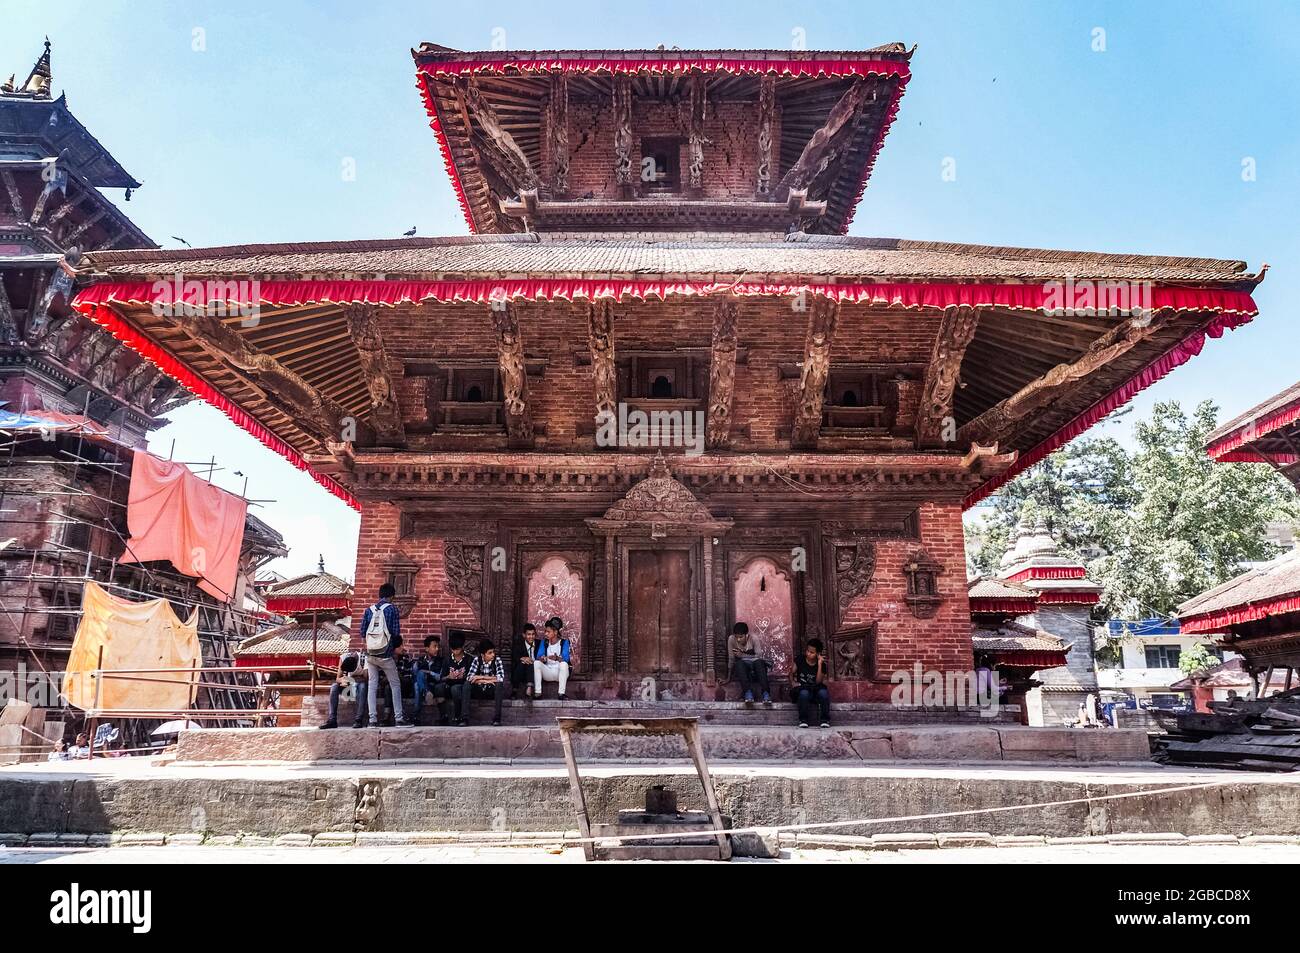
457, 688
524, 653
486, 679
552, 663
808, 683
747, 664
351, 675
430, 670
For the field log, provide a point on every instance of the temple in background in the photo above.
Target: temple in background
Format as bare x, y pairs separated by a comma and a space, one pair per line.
75, 401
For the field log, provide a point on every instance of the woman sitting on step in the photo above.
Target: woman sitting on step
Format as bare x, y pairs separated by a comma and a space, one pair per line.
552, 658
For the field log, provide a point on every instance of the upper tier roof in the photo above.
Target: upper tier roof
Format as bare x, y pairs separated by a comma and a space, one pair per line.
492, 112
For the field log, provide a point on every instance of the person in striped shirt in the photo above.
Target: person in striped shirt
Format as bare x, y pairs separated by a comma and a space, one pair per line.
486, 679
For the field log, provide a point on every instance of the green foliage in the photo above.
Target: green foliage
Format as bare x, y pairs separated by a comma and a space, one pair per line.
1195, 660
1155, 525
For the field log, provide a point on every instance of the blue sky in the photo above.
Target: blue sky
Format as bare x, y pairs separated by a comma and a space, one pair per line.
1138, 148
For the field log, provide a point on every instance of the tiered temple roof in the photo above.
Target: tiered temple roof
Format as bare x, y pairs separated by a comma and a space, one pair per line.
1036, 563
1267, 433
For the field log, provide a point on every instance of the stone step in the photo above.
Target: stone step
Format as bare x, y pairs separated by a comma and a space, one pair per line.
543, 712
756, 743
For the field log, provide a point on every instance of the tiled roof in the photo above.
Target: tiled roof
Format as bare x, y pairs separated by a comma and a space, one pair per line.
1275, 403
1273, 580
313, 584
986, 588
296, 639
586, 255
1014, 637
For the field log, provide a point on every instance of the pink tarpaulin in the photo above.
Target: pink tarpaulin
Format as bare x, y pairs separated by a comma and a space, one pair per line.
176, 516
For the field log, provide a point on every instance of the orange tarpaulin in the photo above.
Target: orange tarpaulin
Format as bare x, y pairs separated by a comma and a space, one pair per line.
176, 516
133, 635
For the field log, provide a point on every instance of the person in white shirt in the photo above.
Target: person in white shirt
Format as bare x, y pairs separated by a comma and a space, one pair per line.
553, 659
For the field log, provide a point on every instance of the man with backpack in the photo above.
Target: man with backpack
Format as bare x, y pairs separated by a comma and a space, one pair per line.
382, 627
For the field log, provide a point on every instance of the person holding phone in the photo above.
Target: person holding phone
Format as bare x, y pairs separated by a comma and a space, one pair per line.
808, 684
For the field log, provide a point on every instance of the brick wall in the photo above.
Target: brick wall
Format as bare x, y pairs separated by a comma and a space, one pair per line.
941, 642
377, 542
770, 331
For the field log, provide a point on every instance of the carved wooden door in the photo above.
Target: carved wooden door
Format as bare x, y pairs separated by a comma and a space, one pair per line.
660, 633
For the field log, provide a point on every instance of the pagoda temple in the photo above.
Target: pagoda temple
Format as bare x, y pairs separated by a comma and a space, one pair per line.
658, 390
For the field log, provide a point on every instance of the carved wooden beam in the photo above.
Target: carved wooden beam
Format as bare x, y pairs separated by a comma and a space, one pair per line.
600, 338
512, 162
8, 324
822, 318
84, 227
956, 329
279, 386
623, 135
695, 140
766, 117
15, 197
822, 145
514, 374
56, 180
557, 132
385, 415
997, 423
722, 374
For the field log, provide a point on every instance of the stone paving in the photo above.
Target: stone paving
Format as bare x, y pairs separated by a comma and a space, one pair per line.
1045, 854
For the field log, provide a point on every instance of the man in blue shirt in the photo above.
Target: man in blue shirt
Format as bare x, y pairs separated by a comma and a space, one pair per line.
381, 627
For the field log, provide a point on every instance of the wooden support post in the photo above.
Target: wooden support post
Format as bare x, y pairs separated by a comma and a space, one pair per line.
600, 340
514, 374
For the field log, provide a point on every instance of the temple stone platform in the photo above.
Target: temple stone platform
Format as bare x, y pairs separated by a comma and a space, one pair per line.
141, 799
763, 743
541, 713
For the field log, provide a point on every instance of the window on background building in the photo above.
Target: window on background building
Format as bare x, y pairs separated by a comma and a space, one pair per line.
1163, 656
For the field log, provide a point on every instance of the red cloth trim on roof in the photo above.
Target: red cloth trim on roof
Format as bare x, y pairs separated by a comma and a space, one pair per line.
180, 372
1252, 430
1048, 597
323, 659
939, 295
1176, 356
994, 604
1049, 572
1024, 659
424, 71
1249, 456
1221, 620
307, 603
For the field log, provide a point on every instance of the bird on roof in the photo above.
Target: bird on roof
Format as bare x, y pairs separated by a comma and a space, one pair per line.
408, 234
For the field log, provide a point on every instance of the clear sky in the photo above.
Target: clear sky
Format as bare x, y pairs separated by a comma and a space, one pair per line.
240, 132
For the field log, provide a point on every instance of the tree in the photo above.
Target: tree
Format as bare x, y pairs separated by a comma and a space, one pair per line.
1196, 660
1155, 525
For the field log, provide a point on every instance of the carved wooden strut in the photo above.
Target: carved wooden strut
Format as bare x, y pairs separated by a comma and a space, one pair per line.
722, 374
956, 330
514, 373
823, 316
385, 415
600, 339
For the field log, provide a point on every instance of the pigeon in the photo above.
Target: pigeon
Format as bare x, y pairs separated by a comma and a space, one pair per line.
410, 233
